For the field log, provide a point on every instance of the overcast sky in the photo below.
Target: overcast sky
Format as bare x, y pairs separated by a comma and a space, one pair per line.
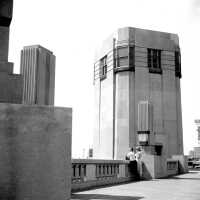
73, 29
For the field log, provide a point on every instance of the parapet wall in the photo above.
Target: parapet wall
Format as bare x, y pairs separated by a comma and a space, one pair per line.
35, 152
89, 173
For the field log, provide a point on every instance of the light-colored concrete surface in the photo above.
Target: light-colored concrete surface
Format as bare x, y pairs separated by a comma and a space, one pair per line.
35, 152
182, 187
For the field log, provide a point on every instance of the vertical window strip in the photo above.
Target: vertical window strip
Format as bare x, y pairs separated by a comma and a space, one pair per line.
154, 60
178, 64
103, 67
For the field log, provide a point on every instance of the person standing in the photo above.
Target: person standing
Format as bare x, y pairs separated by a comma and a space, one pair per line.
131, 155
132, 164
138, 156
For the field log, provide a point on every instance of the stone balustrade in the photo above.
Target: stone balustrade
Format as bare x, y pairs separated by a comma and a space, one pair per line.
88, 173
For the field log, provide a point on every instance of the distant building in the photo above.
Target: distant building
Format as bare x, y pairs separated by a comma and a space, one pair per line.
197, 122
10, 84
90, 153
136, 70
191, 154
38, 70
195, 153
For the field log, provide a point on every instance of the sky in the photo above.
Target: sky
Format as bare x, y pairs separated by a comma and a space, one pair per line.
73, 29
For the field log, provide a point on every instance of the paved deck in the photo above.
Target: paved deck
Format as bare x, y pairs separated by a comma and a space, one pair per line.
182, 187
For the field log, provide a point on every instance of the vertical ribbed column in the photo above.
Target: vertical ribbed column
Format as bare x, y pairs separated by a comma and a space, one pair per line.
22, 72
38, 70
34, 75
25, 76
28, 68
29, 76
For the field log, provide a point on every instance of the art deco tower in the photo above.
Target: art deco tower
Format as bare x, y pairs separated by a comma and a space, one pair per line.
136, 70
38, 70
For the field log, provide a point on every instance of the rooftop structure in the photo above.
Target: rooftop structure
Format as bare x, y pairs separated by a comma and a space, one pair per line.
38, 70
137, 80
10, 84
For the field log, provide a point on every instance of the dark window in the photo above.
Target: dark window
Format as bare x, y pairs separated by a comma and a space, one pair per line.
103, 67
158, 150
131, 56
154, 61
178, 64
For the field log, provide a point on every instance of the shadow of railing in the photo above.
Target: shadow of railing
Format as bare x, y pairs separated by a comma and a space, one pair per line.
103, 196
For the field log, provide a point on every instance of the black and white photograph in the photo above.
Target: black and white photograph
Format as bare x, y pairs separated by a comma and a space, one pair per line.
99, 100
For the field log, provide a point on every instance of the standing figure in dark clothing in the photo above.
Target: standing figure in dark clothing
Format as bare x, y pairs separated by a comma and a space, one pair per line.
133, 163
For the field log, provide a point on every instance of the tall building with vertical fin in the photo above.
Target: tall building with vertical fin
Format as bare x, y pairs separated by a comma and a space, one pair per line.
38, 70
137, 76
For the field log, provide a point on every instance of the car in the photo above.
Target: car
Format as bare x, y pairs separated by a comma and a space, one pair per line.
193, 163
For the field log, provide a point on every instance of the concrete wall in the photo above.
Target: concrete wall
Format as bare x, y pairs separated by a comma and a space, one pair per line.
106, 118
123, 106
183, 163
4, 43
11, 88
158, 166
35, 152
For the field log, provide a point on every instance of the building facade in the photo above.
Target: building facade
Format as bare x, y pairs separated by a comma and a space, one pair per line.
195, 153
134, 66
38, 70
197, 122
10, 83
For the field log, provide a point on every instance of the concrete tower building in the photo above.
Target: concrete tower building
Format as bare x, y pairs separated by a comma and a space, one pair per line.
38, 70
136, 78
10, 84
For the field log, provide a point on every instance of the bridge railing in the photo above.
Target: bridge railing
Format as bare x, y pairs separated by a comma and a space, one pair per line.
87, 173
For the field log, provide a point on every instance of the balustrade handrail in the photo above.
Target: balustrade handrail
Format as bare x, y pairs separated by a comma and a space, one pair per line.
95, 169
98, 161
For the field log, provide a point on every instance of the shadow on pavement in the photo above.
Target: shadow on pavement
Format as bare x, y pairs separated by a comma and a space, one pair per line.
103, 196
181, 178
